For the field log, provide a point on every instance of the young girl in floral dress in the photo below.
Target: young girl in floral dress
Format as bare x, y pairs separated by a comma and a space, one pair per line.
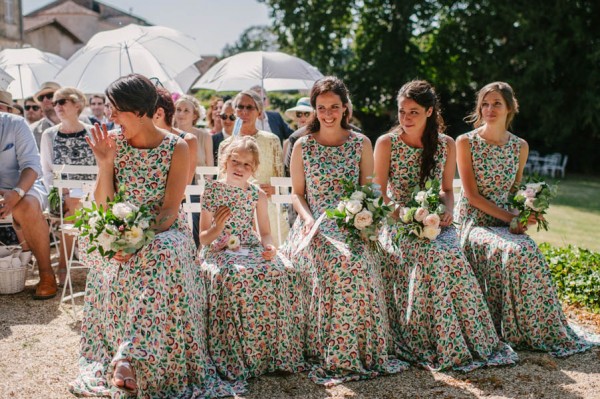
254, 317
511, 270
438, 315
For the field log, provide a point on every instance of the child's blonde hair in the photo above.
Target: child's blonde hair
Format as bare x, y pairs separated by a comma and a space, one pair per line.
241, 143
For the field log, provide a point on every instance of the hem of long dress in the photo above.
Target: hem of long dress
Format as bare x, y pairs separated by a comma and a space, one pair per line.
329, 378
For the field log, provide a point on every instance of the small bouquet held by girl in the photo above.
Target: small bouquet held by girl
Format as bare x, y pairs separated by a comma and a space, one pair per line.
361, 212
532, 199
120, 227
422, 217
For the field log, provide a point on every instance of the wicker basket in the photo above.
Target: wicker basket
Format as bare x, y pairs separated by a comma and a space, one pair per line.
12, 280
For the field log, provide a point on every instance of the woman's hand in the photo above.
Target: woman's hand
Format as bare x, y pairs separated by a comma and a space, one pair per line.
103, 145
221, 216
308, 224
447, 218
268, 189
122, 256
516, 227
532, 220
269, 252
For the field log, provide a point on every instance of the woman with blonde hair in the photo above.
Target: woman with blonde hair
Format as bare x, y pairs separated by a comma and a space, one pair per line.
65, 144
187, 114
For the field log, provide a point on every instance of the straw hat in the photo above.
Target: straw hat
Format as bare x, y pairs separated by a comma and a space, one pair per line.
6, 99
303, 105
47, 87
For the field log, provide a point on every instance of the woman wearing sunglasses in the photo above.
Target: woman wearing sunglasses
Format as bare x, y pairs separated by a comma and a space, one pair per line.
227, 121
64, 144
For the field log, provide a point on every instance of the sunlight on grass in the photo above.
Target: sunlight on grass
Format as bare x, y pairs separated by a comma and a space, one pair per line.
574, 216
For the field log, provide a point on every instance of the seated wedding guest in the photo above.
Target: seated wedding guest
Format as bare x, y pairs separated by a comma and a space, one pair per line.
143, 329
6, 103
187, 114
437, 313
23, 196
271, 121
213, 122
513, 273
33, 112
18, 109
65, 144
248, 106
97, 104
300, 114
347, 330
44, 99
250, 287
227, 117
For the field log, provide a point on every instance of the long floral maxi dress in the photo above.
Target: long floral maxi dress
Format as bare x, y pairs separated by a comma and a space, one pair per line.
511, 270
438, 315
150, 309
254, 314
347, 328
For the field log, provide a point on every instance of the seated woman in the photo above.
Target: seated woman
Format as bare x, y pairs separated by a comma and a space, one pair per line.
511, 270
346, 331
143, 328
438, 316
65, 144
254, 315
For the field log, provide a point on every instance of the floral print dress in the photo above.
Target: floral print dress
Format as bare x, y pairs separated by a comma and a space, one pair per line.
347, 330
437, 312
511, 270
254, 314
150, 309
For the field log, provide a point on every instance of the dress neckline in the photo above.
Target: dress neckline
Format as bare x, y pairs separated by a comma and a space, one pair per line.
483, 140
351, 135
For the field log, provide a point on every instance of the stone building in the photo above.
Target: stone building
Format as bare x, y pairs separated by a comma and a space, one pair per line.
11, 24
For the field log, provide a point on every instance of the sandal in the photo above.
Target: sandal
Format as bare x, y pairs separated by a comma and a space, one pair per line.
117, 375
62, 276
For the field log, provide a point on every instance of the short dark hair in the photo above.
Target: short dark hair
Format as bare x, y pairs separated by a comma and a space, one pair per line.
29, 99
165, 101
325, 85
97, 95
133, 93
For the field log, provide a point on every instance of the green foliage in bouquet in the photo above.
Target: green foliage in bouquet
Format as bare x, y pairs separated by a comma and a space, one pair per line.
576, 272
121, 226
421, 217
532, 197
361, 211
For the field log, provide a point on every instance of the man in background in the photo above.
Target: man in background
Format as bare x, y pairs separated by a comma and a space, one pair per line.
33, 111
97, 106
44, 99
271, 121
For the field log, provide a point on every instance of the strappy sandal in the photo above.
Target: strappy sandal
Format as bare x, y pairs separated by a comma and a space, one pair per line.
117, 375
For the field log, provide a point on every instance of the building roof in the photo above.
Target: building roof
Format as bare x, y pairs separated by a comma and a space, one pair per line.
93, 7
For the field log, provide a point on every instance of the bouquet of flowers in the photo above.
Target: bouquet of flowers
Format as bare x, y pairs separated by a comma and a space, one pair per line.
421, 218
227, 240
533, 198
122, 226
361, 211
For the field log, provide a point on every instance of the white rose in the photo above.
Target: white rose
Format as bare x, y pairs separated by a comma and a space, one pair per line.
529, 203
121, 210
341, 206
421, 214
105, 240
94, 222
144, 224
358, 195
421, 197
432, 219
134, 235
529, 193
430, 232
363, 219
354, 206
537, 187
233, 243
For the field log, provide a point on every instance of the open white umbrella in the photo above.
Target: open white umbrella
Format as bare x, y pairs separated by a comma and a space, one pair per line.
30, 68
153, 51
270, 69
5, 79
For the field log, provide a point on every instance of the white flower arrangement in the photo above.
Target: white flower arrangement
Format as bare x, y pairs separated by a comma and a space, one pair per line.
421, 218
533, 198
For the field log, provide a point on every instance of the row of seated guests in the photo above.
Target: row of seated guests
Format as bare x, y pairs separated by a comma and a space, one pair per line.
162, 323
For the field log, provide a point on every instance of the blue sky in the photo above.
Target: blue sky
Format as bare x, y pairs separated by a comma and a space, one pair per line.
214, 23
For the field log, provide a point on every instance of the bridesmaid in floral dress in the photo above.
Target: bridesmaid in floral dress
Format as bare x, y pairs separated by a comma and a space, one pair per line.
254, 315
511, 270
437, 312
143, 329
347, 330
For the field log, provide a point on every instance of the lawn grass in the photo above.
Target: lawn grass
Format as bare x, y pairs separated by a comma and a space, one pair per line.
574, 215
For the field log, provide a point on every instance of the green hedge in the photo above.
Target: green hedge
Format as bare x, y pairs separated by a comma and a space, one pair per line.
576, 272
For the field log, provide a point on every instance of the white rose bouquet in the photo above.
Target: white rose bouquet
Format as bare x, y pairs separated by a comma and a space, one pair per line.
122, 226
421, 217
361, 211
533, 198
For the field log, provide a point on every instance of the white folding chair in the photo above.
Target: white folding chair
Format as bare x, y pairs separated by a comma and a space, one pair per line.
456, 186
68, 228
190, 207
203, 171
283, 189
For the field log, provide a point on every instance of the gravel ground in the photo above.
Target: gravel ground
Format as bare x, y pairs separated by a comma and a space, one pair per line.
39, 344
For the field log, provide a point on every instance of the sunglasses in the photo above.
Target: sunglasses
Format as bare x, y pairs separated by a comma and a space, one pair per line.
60, 102
225, 116
302, 114
249, 108
47, 96
33, 107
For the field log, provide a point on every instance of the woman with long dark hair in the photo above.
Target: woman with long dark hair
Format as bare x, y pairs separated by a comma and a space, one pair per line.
438, 316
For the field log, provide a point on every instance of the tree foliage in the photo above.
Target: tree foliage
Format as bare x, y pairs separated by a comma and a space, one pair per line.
255, 38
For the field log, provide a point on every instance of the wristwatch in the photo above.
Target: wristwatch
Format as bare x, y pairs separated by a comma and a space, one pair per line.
19, 191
